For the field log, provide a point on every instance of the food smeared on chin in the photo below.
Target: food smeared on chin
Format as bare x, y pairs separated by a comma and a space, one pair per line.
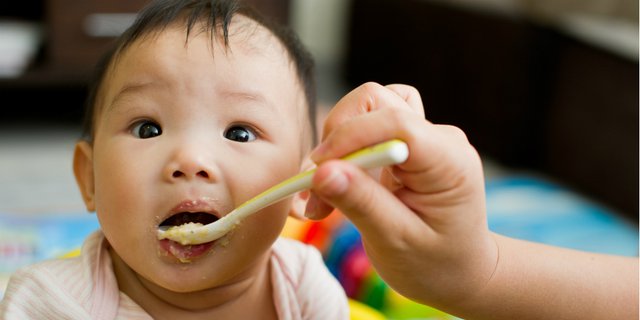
179, 249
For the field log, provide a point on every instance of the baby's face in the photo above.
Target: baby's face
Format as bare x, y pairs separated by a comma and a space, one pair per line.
183, 135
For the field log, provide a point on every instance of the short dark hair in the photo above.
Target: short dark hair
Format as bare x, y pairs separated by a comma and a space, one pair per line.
216, 15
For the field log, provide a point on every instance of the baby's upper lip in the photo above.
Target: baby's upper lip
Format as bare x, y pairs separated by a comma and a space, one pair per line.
199, 205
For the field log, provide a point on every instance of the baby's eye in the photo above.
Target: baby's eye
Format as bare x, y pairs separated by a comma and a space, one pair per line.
146, 130
240, 134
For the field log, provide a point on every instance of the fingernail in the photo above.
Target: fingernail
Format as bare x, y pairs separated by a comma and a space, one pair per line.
310, 212
334, 184
317, 152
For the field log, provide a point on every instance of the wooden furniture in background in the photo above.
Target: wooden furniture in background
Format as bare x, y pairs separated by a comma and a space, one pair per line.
53, 89
527, 95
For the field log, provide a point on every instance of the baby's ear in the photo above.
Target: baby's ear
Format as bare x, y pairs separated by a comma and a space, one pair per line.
299, 202
83, 170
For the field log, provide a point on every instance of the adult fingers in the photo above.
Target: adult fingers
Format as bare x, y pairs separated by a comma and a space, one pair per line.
316, 208
410, 95
440, 156
372, 208
378, 126
369, 97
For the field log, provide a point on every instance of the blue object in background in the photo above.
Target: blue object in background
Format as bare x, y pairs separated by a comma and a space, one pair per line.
533, 209
344, 239
26, 239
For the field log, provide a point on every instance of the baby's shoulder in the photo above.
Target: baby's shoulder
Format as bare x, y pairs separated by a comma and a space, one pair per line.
302, 281
299, 262
290, 249
51, 275
47, 270
40, 289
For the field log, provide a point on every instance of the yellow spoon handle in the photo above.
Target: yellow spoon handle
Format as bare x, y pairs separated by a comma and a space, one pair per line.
379, 155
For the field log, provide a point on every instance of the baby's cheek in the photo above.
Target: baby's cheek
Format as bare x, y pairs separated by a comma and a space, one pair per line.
267, 224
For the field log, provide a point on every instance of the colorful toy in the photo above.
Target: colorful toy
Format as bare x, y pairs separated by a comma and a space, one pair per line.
341, 245
360, 311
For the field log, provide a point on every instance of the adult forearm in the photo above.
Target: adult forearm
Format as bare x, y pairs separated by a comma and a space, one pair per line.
535, 281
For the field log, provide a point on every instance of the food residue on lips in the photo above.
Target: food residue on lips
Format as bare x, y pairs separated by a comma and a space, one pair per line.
183, 253
178, 254
183, 235
177, 242
190, 240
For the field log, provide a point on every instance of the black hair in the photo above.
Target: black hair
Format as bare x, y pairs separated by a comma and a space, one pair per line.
216, 16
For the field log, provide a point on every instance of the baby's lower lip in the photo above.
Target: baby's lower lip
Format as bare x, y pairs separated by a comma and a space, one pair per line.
185, 253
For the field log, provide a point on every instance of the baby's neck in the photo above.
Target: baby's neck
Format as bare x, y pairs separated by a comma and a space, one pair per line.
228, 302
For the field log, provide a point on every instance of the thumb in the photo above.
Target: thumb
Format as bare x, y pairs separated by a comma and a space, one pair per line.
373, 209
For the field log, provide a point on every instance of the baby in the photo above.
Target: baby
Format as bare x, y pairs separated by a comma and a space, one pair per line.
200, 106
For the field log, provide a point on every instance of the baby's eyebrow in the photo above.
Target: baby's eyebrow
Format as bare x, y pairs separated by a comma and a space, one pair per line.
249, 96
244, 95
127, 89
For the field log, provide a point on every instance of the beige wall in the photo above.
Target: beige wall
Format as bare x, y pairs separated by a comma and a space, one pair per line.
545, 9
321, 23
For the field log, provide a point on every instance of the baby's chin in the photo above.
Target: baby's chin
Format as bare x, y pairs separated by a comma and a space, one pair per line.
184, 277
208, 276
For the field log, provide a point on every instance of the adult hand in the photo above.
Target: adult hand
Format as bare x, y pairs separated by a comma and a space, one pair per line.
423, 222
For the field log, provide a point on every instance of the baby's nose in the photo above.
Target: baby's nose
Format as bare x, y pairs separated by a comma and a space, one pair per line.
201, 173
189, 165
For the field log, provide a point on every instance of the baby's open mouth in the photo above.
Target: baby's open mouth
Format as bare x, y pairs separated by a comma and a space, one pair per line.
186, 217
184, 253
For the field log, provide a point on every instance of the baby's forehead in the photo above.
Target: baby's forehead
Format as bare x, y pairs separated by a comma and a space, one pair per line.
245, 38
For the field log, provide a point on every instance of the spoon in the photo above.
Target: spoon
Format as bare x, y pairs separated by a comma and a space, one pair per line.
380, 155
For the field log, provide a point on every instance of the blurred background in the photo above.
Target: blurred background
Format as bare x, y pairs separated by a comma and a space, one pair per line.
550, 86
546, 90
